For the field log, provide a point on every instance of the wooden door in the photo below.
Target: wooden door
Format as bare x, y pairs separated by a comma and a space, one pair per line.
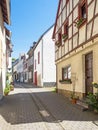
89, 72
35, 78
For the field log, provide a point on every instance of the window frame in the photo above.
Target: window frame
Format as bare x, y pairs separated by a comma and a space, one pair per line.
39, 57
35, 64
67, 71
65, 30
67, 1
60, 37
80, 15
59, 41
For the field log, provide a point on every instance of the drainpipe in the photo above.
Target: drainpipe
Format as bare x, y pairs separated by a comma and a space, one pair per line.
56, 78
42, 57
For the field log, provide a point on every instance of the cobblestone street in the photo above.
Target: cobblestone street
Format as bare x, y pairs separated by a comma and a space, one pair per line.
28, 108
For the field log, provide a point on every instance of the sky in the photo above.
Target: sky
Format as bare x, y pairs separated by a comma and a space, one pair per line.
29, 20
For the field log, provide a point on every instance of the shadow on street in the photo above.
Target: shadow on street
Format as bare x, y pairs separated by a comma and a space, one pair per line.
20, 108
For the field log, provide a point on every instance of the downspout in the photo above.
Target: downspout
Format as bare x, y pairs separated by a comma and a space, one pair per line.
56, 78
42, 58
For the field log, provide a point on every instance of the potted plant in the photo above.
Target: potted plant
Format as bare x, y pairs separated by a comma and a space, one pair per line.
64, 37
91, 100
6, 91
95, 98
95, 84
11, 86
80, 22
74, 98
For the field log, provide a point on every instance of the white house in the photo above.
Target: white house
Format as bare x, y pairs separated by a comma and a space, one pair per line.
31, 63
25, 69
4, 18
20, 68
44, 60
14, 70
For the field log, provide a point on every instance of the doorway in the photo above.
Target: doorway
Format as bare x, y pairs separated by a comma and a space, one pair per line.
88, 72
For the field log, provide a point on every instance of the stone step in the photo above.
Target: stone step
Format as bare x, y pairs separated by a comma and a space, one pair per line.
83, 105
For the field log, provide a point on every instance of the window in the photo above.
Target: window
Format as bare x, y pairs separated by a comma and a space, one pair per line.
66, 28
25, 75
65, 35
82, 13
67, 1
59, 42
83, 10
59, 37
35, 64
38, 57
66, 73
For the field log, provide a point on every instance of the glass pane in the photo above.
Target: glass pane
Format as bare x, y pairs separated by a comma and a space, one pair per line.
83, 11
65, 73
69, 72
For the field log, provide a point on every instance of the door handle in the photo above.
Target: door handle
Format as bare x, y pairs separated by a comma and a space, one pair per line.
87, 77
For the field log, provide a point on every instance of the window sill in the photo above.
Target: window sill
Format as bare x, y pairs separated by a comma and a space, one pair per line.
58, 43
65, 81
80, 22
64, 37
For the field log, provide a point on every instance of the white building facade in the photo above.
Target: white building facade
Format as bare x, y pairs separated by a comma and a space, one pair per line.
20, 68
44, 60
4, 17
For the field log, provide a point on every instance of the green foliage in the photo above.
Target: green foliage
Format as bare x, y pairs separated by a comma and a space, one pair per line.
80, 21
13, 59
54, 89
92, 100
11, 87
64, 36
74, 96
65, 81
6, 90
95, 84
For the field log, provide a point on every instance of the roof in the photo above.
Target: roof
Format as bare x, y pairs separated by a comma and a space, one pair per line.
5, 5
44, 34
53, 36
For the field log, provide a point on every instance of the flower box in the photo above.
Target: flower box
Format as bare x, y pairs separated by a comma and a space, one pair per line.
80, 22
57, 43
65, 81
64, 37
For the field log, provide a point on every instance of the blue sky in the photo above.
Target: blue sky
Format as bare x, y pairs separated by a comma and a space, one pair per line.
29, 20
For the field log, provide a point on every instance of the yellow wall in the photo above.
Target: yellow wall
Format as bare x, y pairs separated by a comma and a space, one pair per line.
77, 62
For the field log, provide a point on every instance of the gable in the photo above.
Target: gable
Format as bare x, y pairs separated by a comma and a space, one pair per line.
56, 21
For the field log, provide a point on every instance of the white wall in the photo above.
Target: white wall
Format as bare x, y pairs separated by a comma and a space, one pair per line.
46, 70
20, 67
38, 66
2, 56
49, 70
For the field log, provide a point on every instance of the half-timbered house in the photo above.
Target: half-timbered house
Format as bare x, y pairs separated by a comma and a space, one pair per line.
76, 46
5, 43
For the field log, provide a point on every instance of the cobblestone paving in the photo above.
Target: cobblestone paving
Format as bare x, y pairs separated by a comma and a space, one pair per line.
40, 109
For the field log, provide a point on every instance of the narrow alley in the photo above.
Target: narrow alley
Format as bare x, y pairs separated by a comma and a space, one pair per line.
28, 108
